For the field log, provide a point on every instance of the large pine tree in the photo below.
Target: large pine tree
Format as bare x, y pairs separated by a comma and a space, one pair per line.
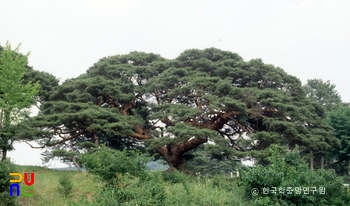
203, 96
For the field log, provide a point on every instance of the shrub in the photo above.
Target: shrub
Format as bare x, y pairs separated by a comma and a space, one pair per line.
224, 182
6, 167
290, 171
175, 177
109, 163
66, 185
150, 191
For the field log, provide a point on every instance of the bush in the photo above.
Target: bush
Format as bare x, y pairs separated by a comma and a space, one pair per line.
6, 167
156, 192
288, 172
109, 163
175, 177
132, 191
224, 182
66, 185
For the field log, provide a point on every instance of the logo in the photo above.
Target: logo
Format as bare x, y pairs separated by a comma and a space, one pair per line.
27, 190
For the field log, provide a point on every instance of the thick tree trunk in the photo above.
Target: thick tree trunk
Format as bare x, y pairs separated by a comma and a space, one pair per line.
173, 154
4, 154
174, 157
176, 162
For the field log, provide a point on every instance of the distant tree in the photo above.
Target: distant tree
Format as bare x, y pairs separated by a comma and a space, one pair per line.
340, 120
323, 93
15, 96
326, 95
174, 106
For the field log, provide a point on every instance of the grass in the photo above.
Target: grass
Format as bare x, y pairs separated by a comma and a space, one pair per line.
47, 183
159, 189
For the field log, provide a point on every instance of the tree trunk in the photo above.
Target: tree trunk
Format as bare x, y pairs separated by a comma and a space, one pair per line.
173, 154
311, 160
4, 154
174, 157
76, 164
176, 162
73, 158
322, 162
95, 140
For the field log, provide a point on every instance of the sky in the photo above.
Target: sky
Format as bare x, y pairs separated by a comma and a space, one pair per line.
307, 38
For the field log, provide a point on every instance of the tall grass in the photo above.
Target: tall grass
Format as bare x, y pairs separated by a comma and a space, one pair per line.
157, 189
46, 187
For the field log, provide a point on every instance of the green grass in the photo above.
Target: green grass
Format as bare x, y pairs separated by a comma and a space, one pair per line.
47, 183
159, 189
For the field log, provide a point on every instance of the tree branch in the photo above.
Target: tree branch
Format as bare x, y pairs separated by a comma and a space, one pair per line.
64, 140
35, 147
193, 143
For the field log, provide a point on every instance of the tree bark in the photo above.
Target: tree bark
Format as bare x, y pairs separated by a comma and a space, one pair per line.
173, 154
4, 154
73, 158
76, 164
95, 140
174, 157
311, 160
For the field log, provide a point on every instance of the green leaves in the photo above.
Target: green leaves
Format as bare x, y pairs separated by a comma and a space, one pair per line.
201, 95
15, 95
339, 120
6, 167
288, 170
107, 163
323, 93
85, 115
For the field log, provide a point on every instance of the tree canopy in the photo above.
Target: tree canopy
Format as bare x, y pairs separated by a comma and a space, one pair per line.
323, 93
15, 95
208, 96
339, 120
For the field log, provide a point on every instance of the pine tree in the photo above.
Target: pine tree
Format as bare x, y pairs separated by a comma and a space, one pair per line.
205, 96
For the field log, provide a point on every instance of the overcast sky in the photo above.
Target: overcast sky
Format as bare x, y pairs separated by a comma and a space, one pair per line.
307, 38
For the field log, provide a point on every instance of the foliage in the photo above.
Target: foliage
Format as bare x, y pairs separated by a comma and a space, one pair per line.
175, 177
288, 170
66, 186
108, 164
6, 167
327, 96
174, 106
323, 93
65, 156
15, 96
46, 80
207, 161
339, 120
156, 191
47, 183
89, 191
